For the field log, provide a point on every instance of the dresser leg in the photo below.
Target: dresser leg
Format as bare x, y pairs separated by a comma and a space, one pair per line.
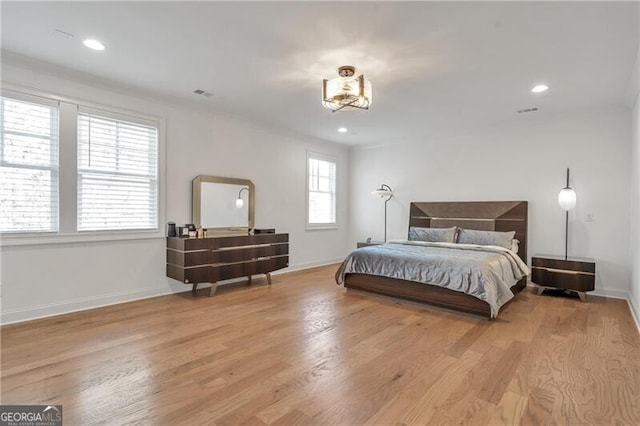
214, 287
249, 279
539, 290
195, 287
268, 278
582, 295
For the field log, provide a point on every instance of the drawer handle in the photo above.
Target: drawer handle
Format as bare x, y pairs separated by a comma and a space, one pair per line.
563, 271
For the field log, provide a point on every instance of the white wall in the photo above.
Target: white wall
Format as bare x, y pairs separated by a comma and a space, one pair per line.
525, 159
42, 280
634, 294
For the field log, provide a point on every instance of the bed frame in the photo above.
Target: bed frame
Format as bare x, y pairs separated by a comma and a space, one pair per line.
479, 215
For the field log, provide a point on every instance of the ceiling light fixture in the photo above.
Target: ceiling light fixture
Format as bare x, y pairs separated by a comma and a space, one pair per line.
343, 130
93, 44
346, 92
539, 88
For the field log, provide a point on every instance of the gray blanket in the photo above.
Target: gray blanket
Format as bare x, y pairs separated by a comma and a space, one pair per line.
485, 272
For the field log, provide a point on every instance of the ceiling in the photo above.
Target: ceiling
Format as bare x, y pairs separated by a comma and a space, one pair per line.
434, 66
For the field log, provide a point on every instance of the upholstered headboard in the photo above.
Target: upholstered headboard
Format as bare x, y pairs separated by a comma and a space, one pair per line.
479, 215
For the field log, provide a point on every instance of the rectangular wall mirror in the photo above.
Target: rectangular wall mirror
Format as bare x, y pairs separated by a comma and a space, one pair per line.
216, 204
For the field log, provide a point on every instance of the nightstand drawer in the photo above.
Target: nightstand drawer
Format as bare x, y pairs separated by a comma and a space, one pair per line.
572, 264
563, 274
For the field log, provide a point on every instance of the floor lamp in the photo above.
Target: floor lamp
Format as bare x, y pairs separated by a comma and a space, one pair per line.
567, 201
382, 192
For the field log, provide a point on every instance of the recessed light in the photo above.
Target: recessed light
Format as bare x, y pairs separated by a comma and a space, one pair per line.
343, 130
539, 88
93, 44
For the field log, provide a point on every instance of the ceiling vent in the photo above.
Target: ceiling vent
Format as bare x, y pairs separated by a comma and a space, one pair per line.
203, 93
525, 110
63, 33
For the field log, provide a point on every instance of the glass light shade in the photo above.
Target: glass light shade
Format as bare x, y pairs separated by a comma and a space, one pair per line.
239, 203
567, 199
347, 93
381, 192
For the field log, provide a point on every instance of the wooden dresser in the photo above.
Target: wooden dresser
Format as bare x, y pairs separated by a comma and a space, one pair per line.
212, 259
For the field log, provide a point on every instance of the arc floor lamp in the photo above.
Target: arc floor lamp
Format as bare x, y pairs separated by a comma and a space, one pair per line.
382, 192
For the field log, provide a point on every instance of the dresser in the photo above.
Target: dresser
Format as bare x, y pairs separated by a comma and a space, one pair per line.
212, 259
575, 274
368, 243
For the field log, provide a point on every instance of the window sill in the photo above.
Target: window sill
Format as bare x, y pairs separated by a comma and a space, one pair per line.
322, 227
9, 240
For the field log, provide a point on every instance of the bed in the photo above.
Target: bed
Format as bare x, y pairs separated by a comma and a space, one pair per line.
501, 216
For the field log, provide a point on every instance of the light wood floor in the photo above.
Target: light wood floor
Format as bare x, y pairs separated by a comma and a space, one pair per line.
305, 351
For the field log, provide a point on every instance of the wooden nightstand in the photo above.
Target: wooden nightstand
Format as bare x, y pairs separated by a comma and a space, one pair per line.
575, 274
370, 243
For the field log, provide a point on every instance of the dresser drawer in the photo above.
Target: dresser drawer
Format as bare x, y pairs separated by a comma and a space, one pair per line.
199, 274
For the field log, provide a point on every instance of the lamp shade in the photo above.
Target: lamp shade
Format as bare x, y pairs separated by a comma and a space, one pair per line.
382, 192
239, 200
567, 198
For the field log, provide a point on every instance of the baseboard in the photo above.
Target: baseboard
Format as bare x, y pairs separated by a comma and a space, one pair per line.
614, 294
76, 305
635, 312
309, 265
602, 292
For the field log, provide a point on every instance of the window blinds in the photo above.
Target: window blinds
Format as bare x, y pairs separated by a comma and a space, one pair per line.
28, 164
117, 173
322, 191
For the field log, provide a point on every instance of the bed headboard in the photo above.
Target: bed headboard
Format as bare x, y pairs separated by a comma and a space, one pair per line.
479, 215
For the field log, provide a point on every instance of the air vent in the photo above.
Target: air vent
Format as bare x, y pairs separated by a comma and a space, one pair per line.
525, 110
203, 93
63, 33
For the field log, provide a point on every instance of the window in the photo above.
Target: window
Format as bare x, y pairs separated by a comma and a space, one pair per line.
28, 165
72, 172
321, 191
117, 174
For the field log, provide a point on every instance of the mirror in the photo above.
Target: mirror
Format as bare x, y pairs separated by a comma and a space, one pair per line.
216, 205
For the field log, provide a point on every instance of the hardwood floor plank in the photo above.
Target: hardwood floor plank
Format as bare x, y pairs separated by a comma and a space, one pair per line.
305, 351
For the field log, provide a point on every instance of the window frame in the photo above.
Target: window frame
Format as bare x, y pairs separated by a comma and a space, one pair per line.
68, 172
320, 226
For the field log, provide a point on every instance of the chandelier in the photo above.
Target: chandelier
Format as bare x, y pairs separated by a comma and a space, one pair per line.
346, 92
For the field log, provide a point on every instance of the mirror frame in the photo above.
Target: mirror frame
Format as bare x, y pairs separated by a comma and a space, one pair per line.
196, 201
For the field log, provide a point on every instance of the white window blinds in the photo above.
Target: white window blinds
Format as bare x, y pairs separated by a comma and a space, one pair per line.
322, 191
117, 173
28, 165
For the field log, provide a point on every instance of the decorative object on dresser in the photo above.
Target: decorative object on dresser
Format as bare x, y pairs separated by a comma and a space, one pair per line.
561, 277
212, 259
496, 216
382, 192
567, 201
369, 243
